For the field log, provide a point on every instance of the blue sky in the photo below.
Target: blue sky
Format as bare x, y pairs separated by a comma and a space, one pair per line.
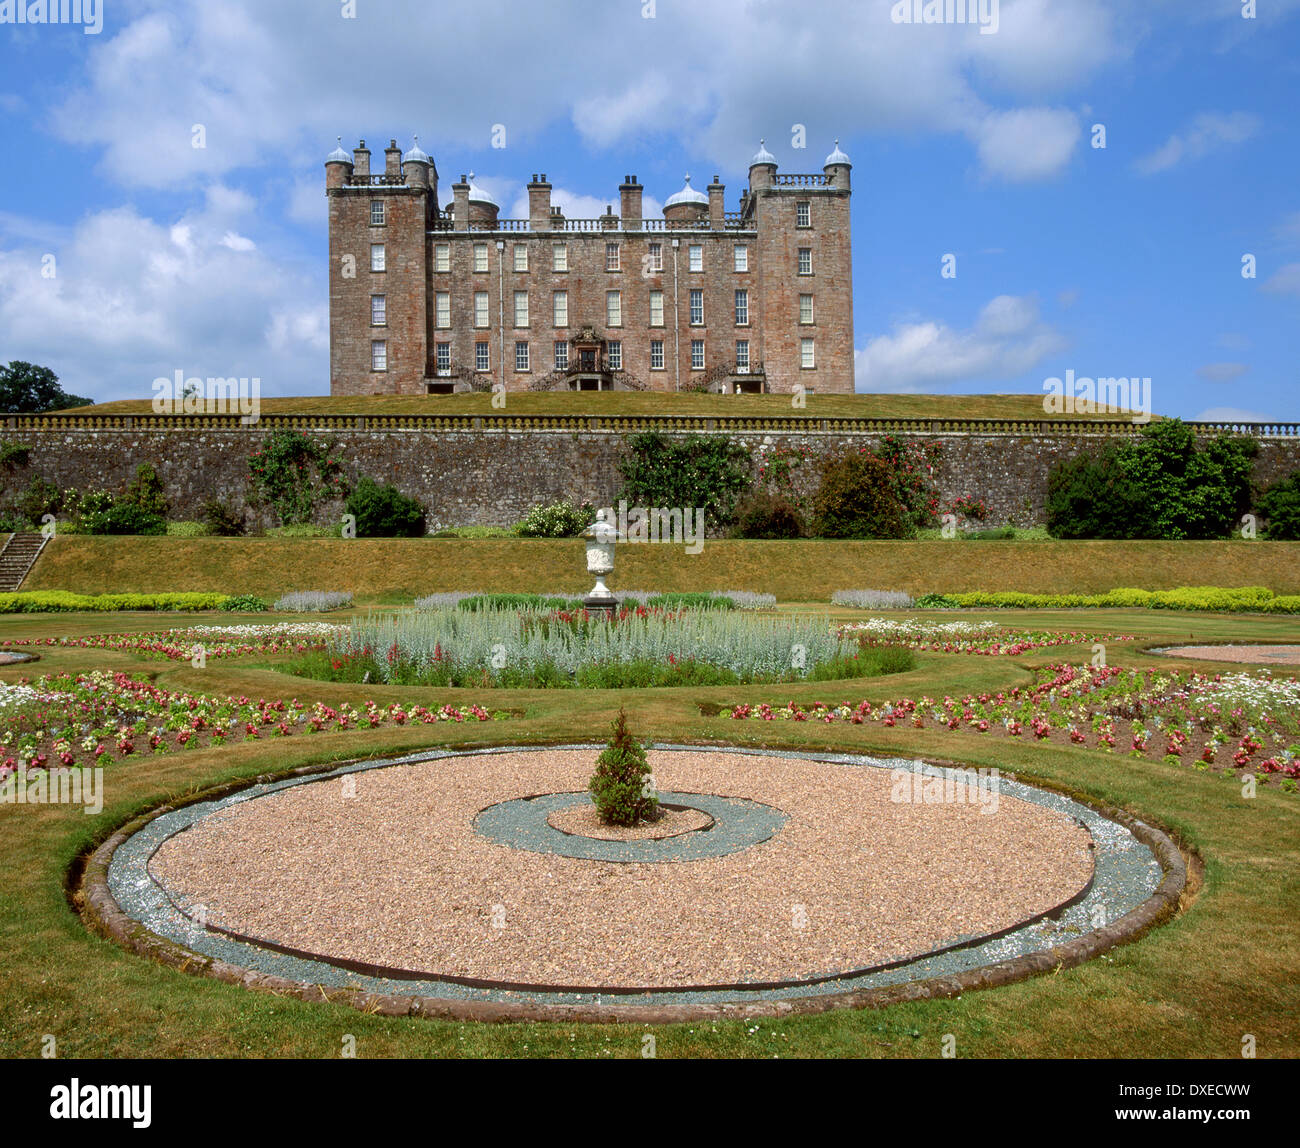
127, 253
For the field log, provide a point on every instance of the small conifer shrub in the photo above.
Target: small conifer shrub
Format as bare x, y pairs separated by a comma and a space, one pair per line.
622, 786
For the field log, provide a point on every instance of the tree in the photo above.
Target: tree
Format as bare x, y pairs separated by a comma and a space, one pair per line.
856, 499
622, 786
26, 388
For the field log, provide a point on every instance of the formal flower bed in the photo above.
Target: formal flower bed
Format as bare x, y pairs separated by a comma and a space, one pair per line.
214, 641
93, 719
1222, 722
645, 646
990, 638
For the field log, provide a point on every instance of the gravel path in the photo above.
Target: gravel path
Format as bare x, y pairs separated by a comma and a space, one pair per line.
1257, 655
396, 876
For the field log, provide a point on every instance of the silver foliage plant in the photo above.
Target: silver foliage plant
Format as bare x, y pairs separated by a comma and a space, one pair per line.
873, 599
313, 601
490, 640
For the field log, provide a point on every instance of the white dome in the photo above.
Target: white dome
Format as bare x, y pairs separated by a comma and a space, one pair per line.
762, 155
478, 195
837, 156
338, 155
416, 154
688, 194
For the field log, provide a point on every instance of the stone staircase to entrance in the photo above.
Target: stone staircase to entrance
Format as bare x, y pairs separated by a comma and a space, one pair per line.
18, 557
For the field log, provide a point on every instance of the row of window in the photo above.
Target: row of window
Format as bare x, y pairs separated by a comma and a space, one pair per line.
379, 218
614, 352
560, 309
653, 260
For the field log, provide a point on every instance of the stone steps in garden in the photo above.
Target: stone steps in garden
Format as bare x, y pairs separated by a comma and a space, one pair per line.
18, 557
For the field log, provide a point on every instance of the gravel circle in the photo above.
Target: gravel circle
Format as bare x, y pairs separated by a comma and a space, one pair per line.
582, 820
386, 869
1253, 655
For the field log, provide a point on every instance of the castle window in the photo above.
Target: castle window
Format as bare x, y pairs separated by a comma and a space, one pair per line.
656, 354
656, 308
697, 307
611, 257
656, 254
521, 308
697, 354
377, 214
378, 355
805, 261
480, 257
442, 309
377, 261
803, 214
561, 354
560, 257
442, 256
742, 356
521, 257
742, 308
613, 308
742, 257
480, 308
805, 308
521, 356
482, 356
378, 311
615, 350
807, 359
561, 309
697, 257
442, 358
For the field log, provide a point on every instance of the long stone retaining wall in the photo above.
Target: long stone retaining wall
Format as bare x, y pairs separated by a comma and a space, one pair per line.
489, 470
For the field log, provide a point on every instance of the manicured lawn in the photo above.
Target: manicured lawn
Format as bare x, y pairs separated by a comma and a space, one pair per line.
400, 569
1192, 988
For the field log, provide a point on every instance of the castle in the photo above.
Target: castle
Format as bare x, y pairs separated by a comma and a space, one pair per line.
431, 299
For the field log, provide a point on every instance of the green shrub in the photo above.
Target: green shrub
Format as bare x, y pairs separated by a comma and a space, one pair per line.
622, 786
856, 500
1279, 507
243, 604
122, 518
1162, 484
690, 600
146, 492
935, 602
384, 511
222, 519
993, 534
293, 474
187, 530
1250, 599
708, 471
558, 520
762, 514
13, 454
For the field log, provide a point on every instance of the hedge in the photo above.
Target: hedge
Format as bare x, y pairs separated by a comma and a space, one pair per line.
1252, 599
64, 601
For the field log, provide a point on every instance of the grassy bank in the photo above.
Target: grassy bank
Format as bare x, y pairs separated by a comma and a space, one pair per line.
396, 570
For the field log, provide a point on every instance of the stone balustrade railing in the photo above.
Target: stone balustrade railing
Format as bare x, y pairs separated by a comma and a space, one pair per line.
624, 424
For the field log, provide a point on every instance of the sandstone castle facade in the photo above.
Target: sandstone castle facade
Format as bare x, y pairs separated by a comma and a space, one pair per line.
430, 298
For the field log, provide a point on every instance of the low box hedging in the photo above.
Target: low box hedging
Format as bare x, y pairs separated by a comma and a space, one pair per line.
1227, 600
64, 601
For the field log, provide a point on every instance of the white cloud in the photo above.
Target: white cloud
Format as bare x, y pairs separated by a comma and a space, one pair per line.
1231, 415
1206, 133
1222, 372
1284, 281
1027, 143
577, 206
135, 299
1008, 339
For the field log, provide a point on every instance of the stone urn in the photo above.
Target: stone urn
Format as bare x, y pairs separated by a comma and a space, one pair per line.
600, 536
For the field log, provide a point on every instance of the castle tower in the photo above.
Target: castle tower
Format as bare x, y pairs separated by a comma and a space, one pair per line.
378, 269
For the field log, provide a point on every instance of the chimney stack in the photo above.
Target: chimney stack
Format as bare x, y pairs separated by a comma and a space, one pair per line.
629, 202
361, 159
717, 203
393, 161
539, 203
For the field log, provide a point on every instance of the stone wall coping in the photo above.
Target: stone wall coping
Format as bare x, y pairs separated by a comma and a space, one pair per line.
616, 424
